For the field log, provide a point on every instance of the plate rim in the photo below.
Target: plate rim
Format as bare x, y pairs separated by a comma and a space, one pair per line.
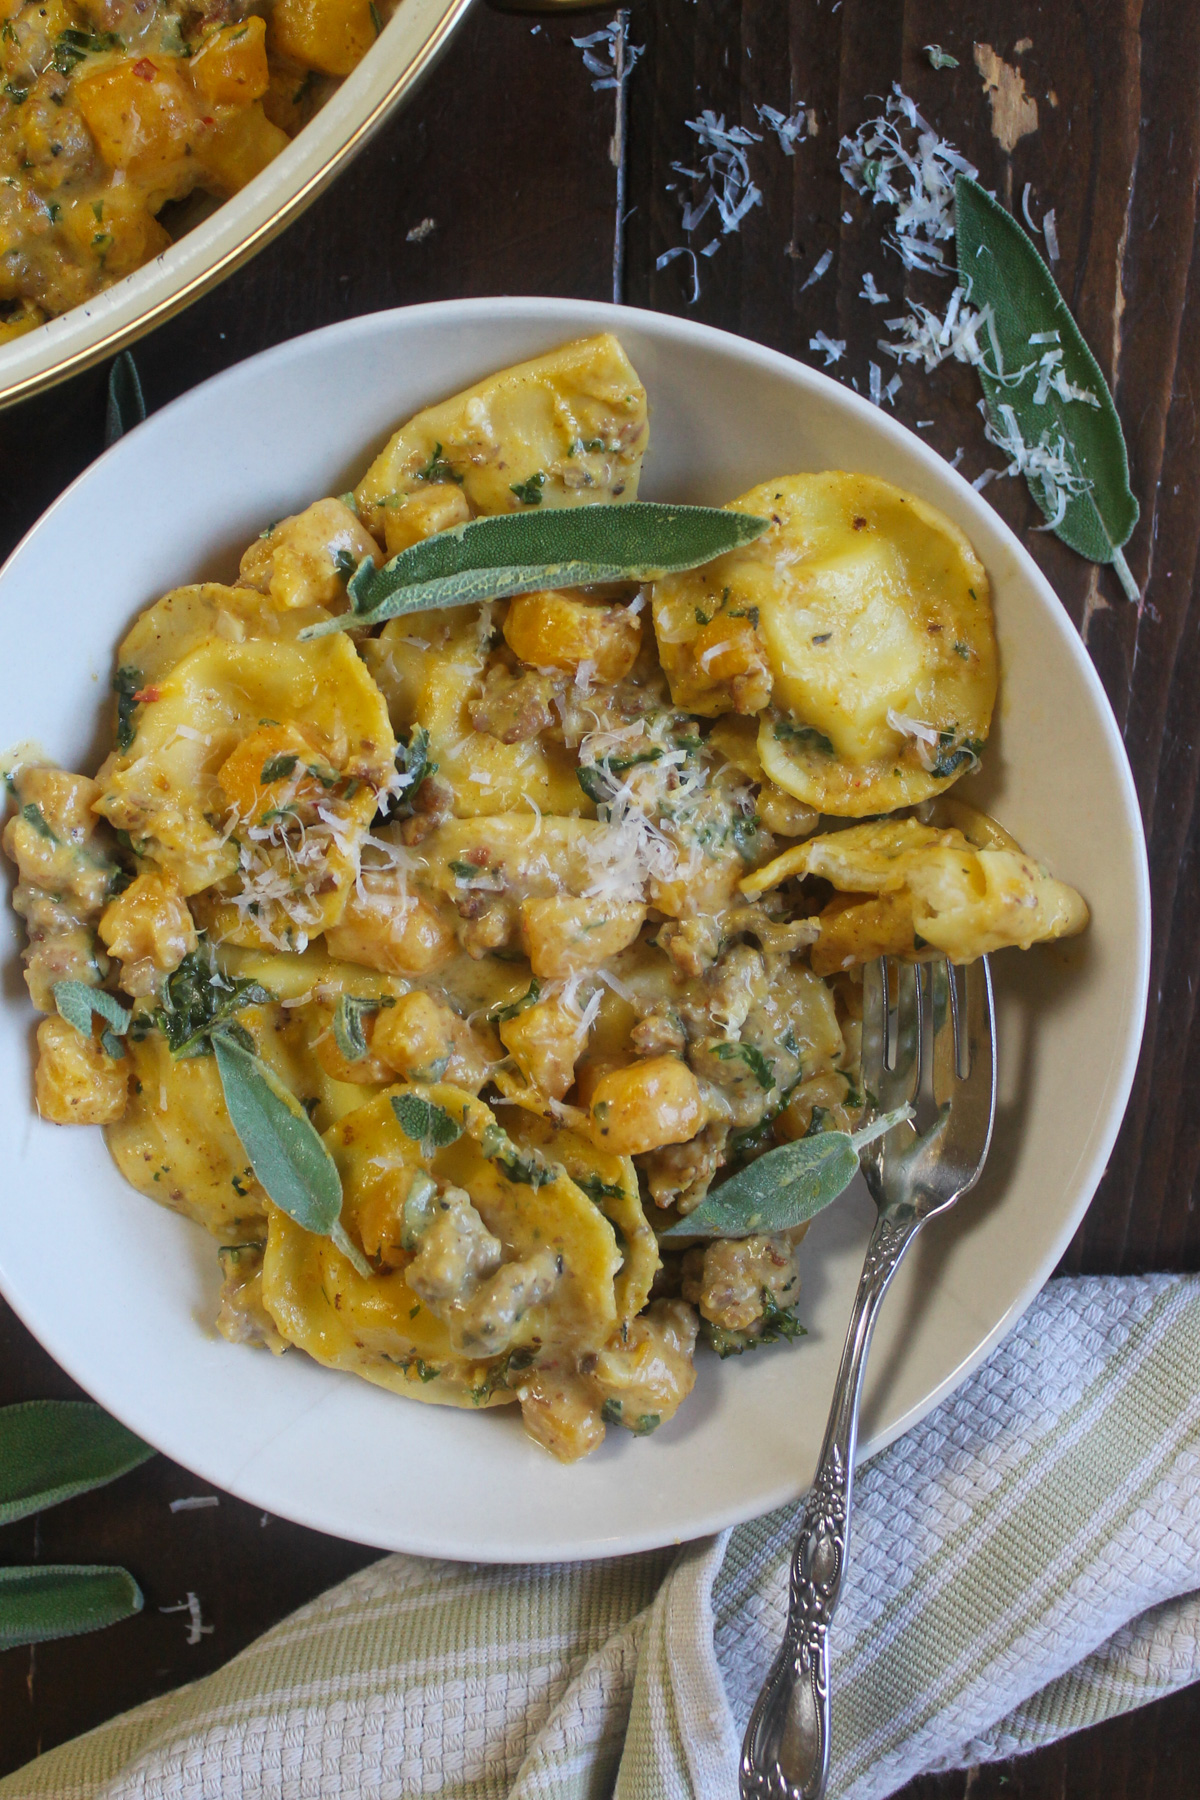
578, 316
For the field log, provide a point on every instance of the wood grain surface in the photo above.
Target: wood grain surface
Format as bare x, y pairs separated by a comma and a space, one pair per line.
534, 185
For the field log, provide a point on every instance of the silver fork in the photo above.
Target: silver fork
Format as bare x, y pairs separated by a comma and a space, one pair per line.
929, 1036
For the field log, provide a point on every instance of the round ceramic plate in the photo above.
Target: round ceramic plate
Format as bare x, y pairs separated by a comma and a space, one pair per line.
123, 1293
409, 45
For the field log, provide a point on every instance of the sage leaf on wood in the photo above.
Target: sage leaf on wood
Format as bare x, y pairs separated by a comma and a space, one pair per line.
51, 1450
785, 1187
50, 1600
76, 1002
561, 547
1094, 510
283, 1145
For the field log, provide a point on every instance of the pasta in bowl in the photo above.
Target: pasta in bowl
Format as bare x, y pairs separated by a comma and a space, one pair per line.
538, 915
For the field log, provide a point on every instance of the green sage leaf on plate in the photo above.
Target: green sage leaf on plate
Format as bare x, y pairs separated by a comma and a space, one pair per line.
785, 1187
1036, 358
284, 1147
51, 1600
348, 1032
559, 547
51, 1450
425, 1122
76, 1002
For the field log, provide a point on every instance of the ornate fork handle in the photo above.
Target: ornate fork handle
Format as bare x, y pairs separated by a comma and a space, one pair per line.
786, 1752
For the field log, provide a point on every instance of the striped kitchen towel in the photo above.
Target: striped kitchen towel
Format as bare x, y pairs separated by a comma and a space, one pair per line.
1024, 1562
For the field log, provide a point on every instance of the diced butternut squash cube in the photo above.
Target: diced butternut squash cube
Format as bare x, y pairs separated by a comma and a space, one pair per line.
141, 112
424, 1040
646, 1105
546, 1041
332, 36
239, 147
557, 631
408, 518
568, 937
150, 929
230, 67
273, 767
77, 1082
385, 928
119, 231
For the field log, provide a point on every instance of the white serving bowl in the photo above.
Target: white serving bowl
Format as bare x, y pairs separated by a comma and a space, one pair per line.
122, 1293
408, 46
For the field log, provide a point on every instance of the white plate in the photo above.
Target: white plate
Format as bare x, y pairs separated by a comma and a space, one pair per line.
123, 1294
410, 43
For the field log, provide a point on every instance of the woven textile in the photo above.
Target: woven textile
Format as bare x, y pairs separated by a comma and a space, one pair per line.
1024, 1562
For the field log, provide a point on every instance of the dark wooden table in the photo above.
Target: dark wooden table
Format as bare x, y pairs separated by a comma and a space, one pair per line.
512, 156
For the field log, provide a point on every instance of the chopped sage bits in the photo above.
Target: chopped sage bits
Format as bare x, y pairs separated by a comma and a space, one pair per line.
753, 1058
413, 762
510, 1008
438, 469
529, 493
530, 1171
127, 683
641, 1424
197, 997
788, 733
777, 1324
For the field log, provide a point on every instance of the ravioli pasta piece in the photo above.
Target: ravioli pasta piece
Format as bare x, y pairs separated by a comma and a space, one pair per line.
915, 886
429, 668
872, 616
611, 1183
384, 1329
176, 1145
565, 429
182, 620
166, 789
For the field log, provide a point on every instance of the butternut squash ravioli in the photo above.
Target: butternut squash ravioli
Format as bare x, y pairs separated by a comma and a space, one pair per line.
587, 877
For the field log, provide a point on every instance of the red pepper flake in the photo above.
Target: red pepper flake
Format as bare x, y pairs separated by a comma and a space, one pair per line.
147, 693
145, 69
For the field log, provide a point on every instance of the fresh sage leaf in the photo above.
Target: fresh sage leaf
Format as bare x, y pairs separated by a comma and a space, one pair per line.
1090, 507
53, 1601
785, 1187
51, 1450
76, 1002
425, 1122
348, 1032
126, 402
559, 547
341, 1240
283, 1145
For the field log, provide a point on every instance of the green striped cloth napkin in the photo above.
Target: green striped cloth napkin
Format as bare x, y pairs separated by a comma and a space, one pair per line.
1025, 1562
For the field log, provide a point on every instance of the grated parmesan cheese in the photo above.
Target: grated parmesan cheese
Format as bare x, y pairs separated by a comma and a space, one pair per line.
901, 162
819, 268
789, 128
608, 55
870, 292
925, 737
833, 349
